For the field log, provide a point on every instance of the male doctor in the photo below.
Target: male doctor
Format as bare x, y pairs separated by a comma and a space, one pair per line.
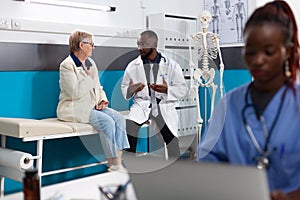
155, 83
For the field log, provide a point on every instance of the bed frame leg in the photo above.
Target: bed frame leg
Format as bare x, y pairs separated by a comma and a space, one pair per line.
3, 145
39, 160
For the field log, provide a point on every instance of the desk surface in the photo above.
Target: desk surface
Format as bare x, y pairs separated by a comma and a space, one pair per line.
81, 189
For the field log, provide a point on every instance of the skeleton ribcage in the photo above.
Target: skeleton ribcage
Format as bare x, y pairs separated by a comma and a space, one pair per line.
210, 51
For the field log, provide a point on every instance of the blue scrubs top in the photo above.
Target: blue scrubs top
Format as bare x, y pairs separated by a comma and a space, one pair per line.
226, 139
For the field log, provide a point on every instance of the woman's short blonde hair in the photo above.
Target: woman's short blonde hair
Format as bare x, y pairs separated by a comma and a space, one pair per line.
76, 37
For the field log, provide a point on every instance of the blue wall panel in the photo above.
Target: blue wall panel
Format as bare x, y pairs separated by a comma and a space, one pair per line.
34, 94
234, 78
231, 80
111, 82
29, 94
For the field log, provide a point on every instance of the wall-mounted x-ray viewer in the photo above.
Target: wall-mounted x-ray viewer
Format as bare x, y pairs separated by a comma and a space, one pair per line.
73, 4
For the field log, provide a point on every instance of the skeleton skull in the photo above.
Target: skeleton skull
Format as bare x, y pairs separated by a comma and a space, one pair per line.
205, 19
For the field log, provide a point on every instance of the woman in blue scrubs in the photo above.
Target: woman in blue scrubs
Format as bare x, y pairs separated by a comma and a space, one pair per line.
258, 123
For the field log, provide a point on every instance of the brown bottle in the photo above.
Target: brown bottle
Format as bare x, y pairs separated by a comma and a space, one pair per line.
31, 185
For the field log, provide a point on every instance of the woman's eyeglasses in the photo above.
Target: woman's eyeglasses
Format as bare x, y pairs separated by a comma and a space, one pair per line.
90, 43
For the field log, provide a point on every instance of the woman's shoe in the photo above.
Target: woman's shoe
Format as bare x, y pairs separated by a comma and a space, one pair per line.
118, 168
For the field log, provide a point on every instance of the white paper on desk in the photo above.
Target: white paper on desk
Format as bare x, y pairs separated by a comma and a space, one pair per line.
15, 159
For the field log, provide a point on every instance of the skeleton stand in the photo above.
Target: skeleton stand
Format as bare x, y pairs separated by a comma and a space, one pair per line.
206, 46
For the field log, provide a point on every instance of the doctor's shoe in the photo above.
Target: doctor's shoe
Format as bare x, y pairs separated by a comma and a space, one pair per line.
118, 168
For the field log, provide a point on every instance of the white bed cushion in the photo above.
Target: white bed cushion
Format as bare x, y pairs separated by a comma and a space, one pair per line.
76, 127
21, 127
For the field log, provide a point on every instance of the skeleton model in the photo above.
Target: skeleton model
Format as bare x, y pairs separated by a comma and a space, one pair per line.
206, 47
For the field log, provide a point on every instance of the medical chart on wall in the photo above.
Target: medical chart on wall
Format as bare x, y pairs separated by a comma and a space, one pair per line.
228, 19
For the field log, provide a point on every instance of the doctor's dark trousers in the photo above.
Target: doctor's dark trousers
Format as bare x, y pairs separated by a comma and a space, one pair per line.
132, 129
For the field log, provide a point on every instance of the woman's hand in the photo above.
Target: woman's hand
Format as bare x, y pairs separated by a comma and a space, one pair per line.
89, 72
103, 104
279, 195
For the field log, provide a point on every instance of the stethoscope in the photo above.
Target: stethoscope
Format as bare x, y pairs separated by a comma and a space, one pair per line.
262, 161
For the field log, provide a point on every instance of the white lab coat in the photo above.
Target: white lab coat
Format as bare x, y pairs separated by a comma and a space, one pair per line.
177, 88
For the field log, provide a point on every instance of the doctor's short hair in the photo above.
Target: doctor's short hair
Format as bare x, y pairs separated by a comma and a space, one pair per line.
150, 34
76, 37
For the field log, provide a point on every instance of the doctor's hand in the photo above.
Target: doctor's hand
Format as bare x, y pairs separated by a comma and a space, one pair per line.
162, 88
135, 87
101, 105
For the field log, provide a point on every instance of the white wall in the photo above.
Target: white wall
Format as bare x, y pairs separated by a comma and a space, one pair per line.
129, 16
62, 20
129, 12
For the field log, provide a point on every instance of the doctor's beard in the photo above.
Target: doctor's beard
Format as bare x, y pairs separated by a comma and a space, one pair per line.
146, 56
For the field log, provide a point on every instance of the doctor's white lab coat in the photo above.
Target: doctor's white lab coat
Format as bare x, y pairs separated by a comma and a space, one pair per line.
177, 88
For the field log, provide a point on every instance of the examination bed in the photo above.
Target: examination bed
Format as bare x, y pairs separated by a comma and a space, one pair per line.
40, 130
46, 129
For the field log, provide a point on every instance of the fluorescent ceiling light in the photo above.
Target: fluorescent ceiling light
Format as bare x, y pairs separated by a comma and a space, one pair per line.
74, 5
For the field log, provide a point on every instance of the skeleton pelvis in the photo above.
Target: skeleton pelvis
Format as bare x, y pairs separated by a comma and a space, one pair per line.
204, 76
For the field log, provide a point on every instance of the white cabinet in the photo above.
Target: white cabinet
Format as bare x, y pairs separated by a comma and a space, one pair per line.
173, 30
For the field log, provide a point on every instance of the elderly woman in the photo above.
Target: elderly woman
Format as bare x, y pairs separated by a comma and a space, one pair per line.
83, 100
